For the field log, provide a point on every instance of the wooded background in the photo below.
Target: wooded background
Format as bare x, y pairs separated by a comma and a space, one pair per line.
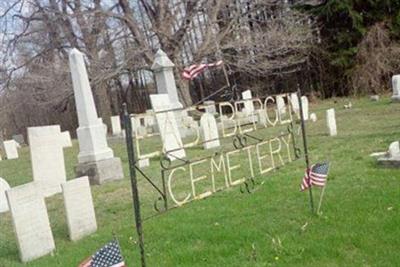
330, 48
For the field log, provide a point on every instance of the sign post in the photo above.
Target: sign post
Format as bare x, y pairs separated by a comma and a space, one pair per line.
132, 171
303, 131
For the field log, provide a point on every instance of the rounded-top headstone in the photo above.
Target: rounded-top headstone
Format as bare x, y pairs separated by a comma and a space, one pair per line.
313, 117
4, 186
394, 149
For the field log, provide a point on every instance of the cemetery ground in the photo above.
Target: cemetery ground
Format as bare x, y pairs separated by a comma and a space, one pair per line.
273, 226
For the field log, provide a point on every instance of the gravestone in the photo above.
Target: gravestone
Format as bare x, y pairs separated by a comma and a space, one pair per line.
392, 157
78, 202
396, 88
47, 157
304, 104
209, 131
313, 117
116, 125
168, 127
142, 163
209, 106
331, 122
374, 98
19, 138
163, 72
95, 158
30, 221
248, 105
294, 100
11, 149
4, 186
280, 104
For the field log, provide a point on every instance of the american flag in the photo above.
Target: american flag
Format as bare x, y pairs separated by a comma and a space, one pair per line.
193, 71
316, 175
107, 256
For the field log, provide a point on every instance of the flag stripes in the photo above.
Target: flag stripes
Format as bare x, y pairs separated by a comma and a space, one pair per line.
316, 175
194, 70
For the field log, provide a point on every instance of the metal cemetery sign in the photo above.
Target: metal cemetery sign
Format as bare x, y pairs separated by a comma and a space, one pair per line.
249, 138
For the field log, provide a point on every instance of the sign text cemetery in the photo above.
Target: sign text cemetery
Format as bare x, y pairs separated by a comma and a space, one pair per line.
247, 141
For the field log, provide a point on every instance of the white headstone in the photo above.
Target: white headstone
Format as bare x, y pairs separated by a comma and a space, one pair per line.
91, 132
209, 131
294, 100
11, 149
116, 125
280, 104
313, 117
394, 149
304, 104
331, 122
78, 201
31, 221
166, 121
142, 163
47, 157
248, 105
396, 87
4, 186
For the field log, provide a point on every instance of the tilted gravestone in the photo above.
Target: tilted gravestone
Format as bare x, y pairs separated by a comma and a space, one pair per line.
81, 218
331, 122
4, 186
31, 221
95, 158
11, 149
209, 131
170, 135
47, 156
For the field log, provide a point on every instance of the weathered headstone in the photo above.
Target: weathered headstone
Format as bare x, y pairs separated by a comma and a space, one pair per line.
396, 88
31, 221
116, 125
331, 122
78, 201
313, 117
142, 163
47, 157
166, 121
11, 149
4, 186
209, 131
304, 104
95, 158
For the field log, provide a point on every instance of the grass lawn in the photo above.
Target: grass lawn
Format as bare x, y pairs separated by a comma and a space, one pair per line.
273, 226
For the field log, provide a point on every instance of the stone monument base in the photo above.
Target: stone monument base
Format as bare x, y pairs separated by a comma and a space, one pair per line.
396, 98
101, 171
386, 161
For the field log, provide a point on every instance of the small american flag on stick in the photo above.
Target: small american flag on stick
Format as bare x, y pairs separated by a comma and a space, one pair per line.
194, 70
316, 175
107, 256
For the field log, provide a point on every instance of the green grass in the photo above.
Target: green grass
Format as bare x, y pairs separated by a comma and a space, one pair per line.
273, 226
